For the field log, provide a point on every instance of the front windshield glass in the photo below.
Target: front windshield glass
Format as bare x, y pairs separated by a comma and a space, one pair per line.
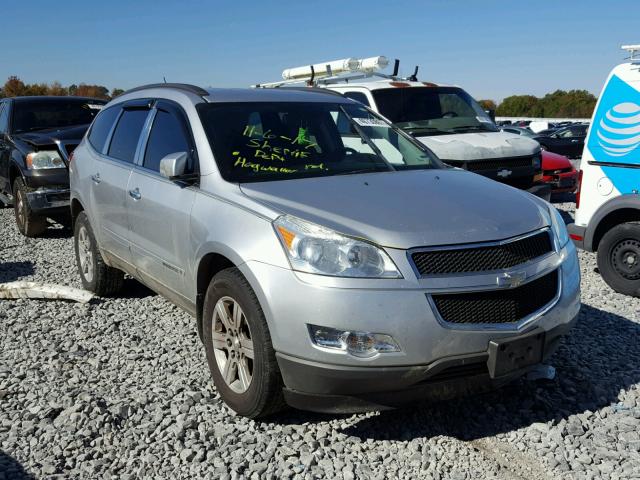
432, 110
263, 141
41, 114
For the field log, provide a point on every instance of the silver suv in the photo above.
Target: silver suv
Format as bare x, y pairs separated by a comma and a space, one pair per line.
332, 262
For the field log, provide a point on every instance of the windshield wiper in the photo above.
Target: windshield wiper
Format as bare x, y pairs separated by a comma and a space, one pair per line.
475, 128
433, 130
379, 168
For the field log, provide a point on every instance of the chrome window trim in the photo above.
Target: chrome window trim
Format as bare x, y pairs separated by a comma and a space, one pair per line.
515, 326
471, 246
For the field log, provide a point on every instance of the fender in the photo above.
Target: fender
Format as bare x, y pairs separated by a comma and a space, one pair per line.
629, 200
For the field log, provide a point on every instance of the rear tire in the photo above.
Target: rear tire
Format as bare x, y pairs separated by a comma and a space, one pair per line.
29, 224
96, 276
235, 329
619, 258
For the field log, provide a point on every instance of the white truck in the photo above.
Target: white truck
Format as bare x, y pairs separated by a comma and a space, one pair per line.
607, 217
444, 118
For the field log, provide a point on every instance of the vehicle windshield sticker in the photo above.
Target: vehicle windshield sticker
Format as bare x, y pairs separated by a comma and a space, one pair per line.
371, 122
94, 106
483, 119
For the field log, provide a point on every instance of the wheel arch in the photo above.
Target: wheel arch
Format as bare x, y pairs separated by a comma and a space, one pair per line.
209, 265
622, 209
76, 208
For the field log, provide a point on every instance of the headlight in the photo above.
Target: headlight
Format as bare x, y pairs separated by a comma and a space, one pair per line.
537, 161
312, 248
44, 159
358, 344
559, 228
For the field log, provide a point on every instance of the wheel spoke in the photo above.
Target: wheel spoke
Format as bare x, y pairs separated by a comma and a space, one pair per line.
231, 371
246, 347
223, 315
237, 315
244, 375
219, 341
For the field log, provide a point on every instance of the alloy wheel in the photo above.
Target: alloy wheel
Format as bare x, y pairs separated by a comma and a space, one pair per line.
85, 254
233, 344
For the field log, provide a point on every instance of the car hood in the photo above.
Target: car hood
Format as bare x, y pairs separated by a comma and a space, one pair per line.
407, 209
52, 135
553, 161
479, 145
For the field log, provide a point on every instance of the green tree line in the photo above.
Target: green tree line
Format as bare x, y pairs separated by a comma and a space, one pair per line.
559, 104
14, 87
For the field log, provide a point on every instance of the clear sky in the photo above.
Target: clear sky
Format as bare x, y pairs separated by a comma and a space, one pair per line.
491, 48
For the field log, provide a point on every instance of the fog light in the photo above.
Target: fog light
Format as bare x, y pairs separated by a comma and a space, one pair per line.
358, 344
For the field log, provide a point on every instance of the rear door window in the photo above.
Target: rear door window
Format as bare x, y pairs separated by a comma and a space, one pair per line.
101, 127
168, 135
126, 135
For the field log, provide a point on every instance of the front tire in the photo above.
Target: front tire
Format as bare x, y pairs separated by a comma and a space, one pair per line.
96, 276
29, 224
619, 258
238, 346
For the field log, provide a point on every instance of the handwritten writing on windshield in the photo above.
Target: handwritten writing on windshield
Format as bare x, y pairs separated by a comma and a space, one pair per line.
263, 147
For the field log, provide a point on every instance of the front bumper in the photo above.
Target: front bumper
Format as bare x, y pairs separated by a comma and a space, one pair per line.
577, 235
399, 308
49, 200
335, 389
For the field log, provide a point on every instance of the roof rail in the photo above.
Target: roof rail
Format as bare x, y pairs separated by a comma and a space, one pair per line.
314, 90
176, 86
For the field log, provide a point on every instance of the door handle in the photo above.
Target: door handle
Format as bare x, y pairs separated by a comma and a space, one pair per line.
135, 194
96, 178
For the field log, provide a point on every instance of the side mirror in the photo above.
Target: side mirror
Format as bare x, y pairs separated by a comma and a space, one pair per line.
174, 165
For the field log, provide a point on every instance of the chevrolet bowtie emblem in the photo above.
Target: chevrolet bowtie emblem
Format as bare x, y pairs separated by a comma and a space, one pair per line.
511, 279
504, 173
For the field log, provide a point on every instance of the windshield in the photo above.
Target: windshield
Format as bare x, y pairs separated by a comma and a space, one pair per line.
432, 110
41, 114
276, 141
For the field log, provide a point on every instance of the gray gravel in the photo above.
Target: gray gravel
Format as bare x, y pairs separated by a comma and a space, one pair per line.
119, 389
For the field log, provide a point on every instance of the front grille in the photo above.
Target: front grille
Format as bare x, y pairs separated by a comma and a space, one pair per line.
497, 306
493, 163
482, 259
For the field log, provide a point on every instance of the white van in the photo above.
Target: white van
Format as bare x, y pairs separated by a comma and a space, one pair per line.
607, 217
444, 118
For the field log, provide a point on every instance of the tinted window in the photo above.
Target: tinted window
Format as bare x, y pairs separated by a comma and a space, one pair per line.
31, 115
358, 97
4, 117
167, 136
125, 138
102, 126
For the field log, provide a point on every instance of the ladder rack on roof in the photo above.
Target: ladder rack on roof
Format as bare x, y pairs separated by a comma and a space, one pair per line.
338, 71
634, 52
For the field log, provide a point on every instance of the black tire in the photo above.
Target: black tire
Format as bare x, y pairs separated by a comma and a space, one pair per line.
103, 280
264, 394
619, 258
29, 224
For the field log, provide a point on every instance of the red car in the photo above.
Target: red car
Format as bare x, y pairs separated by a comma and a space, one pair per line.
558, 172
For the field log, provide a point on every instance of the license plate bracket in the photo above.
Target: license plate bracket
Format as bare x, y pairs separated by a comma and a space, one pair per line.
507, 355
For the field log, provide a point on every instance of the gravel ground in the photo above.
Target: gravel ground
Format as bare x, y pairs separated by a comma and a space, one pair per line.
119, 389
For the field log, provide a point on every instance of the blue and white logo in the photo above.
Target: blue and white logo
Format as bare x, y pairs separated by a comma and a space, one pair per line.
617, 124
615, 136
619, 130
